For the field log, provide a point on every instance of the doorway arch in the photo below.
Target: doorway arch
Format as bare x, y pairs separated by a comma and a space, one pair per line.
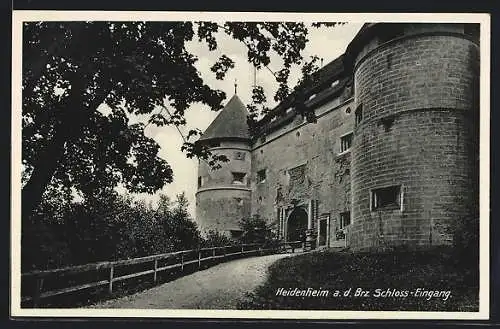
296, 225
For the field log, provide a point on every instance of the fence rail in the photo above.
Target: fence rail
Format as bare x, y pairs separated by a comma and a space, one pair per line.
111, 272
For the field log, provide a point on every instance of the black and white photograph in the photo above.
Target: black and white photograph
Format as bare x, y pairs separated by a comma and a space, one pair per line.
250, 165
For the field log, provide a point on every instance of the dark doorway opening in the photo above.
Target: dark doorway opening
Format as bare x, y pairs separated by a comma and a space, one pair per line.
297, 225
322, 232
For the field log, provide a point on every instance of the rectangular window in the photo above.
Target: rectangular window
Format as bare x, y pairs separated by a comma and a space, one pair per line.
358, 114
345, 142
239, 178
345, 219
386, 198
200, 181
261, 176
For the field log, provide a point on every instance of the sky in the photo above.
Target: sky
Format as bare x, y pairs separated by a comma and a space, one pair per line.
326, 43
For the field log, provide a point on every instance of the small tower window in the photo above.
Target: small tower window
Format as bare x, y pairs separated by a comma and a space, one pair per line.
358, 114
200, 181
345, 142
239, 178
239, 155
386, 198
389, 61
261, 176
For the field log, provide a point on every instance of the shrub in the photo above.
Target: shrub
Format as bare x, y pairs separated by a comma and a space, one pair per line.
257, 230
106, 227
215, 238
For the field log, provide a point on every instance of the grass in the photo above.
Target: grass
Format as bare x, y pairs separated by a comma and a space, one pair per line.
438, 269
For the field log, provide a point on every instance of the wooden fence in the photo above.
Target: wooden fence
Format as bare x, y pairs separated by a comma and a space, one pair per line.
96, 275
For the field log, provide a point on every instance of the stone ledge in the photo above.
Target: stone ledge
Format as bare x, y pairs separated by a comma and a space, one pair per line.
239, 188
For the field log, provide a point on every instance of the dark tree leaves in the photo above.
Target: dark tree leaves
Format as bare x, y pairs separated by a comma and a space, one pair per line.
221, 67
71, 68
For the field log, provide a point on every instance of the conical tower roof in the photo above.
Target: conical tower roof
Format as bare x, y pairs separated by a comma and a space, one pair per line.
230, 123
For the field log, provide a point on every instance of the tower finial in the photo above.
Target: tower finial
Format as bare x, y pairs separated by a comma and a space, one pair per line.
235, 86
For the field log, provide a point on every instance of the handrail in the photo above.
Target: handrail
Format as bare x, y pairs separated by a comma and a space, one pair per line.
108, 264
198, 256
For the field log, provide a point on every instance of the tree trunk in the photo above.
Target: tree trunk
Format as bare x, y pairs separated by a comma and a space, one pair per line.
69, 128
43, 171
75, 114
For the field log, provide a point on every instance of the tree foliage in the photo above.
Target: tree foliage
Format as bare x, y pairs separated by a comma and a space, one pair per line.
110, 227
217, 239
70, 69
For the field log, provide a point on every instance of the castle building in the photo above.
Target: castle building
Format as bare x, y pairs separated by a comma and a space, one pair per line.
391, 159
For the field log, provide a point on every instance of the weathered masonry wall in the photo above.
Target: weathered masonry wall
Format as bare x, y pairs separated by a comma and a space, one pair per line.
316, 146
418, 94
411, 171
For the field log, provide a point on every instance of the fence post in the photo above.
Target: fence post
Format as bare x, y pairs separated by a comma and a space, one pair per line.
242, 248
213, 252
156, 268
224, 251
199, 258
182, 261
111, 270
38, 292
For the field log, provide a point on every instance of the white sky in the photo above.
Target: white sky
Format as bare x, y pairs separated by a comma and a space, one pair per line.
326, 43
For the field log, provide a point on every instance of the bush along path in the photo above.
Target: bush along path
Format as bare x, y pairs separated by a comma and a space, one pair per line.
432, 280
223, 286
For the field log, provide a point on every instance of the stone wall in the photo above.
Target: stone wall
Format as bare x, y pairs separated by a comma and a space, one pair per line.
418, 95
416, 86
221, 209
316, 147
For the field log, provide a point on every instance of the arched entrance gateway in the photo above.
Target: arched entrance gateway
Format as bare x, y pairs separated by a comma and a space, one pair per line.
296, 225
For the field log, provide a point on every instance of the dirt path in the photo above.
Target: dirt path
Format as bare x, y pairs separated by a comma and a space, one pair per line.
218, 287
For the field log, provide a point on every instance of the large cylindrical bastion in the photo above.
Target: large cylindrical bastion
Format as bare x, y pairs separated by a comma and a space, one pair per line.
414, 163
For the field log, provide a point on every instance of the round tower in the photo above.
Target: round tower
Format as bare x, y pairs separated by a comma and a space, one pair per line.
223, 197
414, 163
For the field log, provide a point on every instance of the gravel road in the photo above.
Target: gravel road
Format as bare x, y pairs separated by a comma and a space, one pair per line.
218, 287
